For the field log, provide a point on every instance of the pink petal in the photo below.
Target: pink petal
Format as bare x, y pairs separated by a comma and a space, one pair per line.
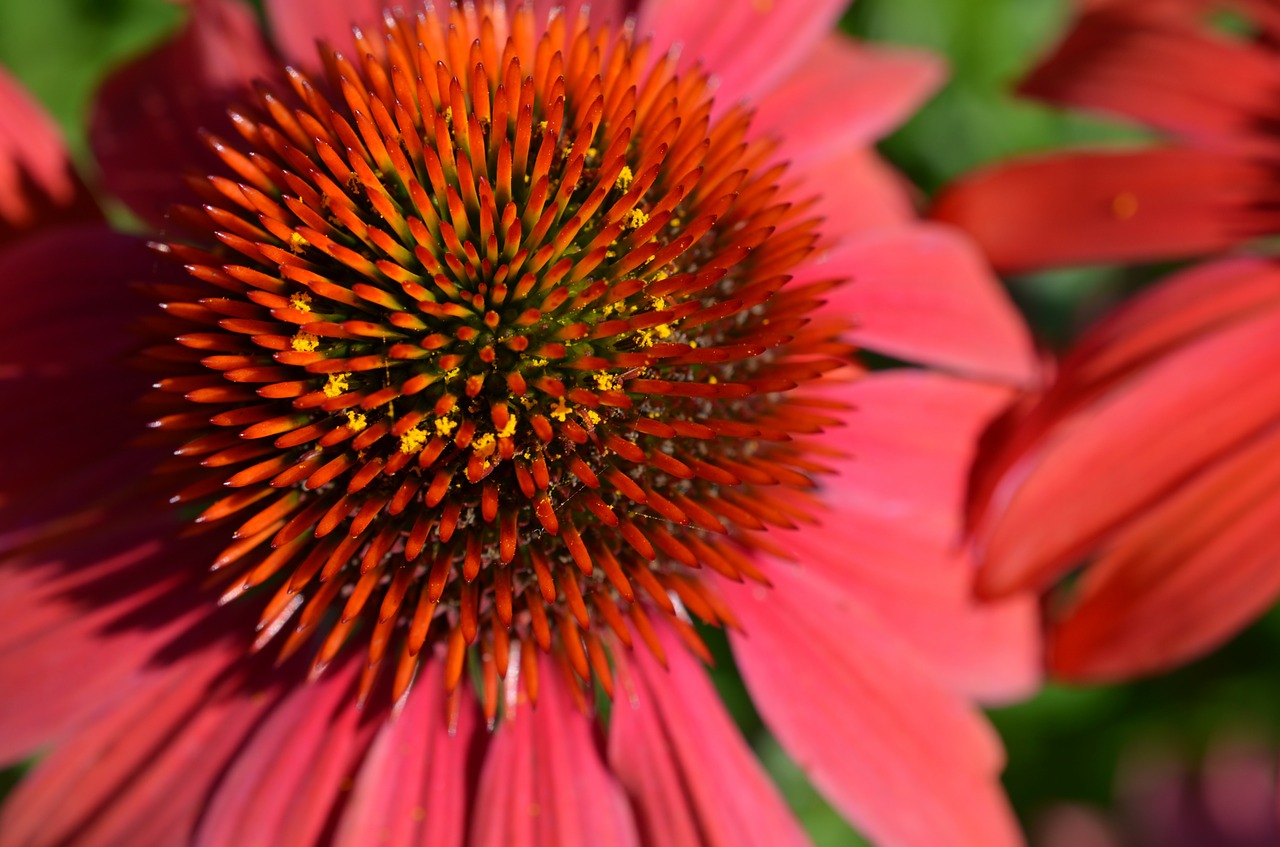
413, 787
1193, 571
65, 332
684, 762
543, 782
1074, 208
924, 293
891, 537
902, 757
297, 25
748, 46
1110, 460
146, 118
855, 191
846, 95
283, 785
96, 605
38, 185
140, 772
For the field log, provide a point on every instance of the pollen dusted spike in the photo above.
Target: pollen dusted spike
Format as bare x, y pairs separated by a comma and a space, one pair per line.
491, 340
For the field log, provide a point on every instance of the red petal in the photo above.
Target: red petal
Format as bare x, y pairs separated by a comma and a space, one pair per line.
862, 716
1180, 309
1169, 72
412, 788
748, 47
38, 186
1189, 574
544, 784
846, 95
691, 776
1112, 459
1075, 208
146, 118
923, 293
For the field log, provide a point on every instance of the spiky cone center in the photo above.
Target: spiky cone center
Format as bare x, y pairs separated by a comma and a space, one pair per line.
490, 346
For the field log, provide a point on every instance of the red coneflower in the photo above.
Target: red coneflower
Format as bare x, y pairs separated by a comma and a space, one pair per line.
495, 355
1152, 456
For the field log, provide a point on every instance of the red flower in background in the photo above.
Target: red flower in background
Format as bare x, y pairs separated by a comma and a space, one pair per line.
1153, 457
465, 421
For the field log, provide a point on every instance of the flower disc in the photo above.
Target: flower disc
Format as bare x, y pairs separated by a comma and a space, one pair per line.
491, 345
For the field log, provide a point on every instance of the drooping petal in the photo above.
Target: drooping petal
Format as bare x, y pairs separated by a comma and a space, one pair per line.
413, 787
1172, 73
1153, 323
691, 776
1180, 309
1193, 571
283, 785
543, 782
748, 46
146, 120
64, 604
38, 185
896, 752
139, 773
1074, 208
1115, 457
890, 536
846, 95
924, 293
64, 335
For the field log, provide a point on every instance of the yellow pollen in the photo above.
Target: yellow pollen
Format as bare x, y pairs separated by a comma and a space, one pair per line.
448, 114
412, 441
608, 382
297, 242
356, 421
625, 178
635, 219
301, 302
336, 385
592, 417
561, 410
483, 445
712, 380
659, 303
592, 152
444, 427
305, 342
542, 126
509, 429
451, 374
644, 338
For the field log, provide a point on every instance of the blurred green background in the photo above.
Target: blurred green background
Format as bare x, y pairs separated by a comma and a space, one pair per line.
1065, 744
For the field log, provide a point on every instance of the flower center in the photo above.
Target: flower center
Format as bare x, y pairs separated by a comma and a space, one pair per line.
499, 352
